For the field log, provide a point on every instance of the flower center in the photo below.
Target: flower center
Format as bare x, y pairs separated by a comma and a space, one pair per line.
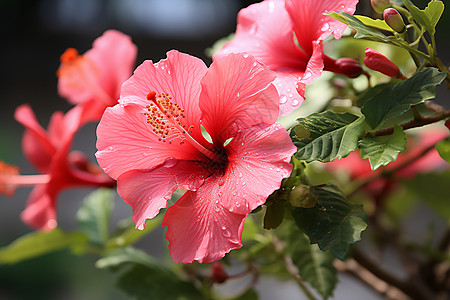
166, 118
81, 74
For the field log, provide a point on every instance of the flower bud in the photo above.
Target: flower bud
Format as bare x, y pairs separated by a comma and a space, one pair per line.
218, 274
447, 124
394, 20
376, 61
349, 67
380, 5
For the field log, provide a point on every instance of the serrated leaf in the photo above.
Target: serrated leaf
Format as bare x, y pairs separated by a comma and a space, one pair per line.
94, 214
332, 135
443, 148
39, 243
381, 150
127, 234
376, 23
333, 223
432, 189
429, 17
314, 265
147, 279
397, 99
362, 31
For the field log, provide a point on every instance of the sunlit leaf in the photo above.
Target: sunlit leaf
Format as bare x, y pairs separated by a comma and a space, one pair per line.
376, 23
362, 31
314, 265
429, 17
333, 223
332, 135
397, 99
39, 243
381, 150
93, 216
443, 148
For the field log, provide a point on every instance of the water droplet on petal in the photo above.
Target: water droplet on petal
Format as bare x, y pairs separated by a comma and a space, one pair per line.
307, 75
245, 55
170, 162
110, 148
283, 99
291, 95
295, 102
243, 183
240, 175
271, 7
325, 27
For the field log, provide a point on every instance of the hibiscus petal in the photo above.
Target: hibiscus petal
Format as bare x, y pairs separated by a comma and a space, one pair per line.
114, 54
291, 96
200, 228
40, 211
257, 163
310, 23
36, 145
147, 191
237, 94
315, 64
126, 142
179, 75
265, 30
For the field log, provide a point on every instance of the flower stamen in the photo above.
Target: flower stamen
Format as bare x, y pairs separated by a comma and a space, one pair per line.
166, 118
10, 179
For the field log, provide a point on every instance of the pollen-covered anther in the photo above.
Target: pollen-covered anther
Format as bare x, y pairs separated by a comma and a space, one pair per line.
6, 171
165, 117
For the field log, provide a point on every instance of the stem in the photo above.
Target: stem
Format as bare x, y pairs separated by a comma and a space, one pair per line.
291, 268
423, 120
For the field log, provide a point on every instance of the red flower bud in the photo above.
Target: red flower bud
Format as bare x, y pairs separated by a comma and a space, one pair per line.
378, 62
380, 5
218, 274
349, 67
394, 19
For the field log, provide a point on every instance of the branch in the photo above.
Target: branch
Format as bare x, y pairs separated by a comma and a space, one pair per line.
417, 122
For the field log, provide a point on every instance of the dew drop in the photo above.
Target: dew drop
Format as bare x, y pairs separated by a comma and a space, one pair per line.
146, 154
291, 95
238, 204
243, 183
325, 27
245, 55
110, 148
240, 175
283, 99
271, 7
170, 162
295, 103
307, 75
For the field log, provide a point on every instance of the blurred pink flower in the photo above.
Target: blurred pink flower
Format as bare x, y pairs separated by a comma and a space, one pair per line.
95, 78
286, 36
152, 143
359, 168
48, 152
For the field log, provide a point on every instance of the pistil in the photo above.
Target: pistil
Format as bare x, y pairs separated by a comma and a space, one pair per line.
10, 179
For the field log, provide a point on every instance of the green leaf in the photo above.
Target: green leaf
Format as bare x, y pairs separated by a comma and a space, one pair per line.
127, 234
333, 223
399, 98
443, 148
274, 214
429, 17
332, 135
362, 31
314, 265
93, 216
39, 243
376, 23
432, 188
381, 150
146, 279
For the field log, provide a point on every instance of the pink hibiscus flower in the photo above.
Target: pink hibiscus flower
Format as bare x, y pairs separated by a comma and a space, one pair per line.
95, 78
152, 143
48, 151
287, 35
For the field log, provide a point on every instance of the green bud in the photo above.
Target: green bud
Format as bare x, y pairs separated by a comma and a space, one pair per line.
394, 19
